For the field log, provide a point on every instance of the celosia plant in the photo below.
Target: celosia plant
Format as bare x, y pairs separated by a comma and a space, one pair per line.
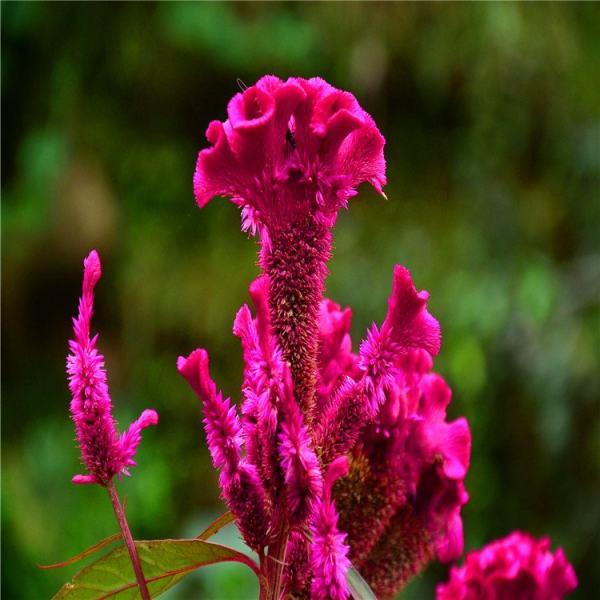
337, 462
517, 566
291, 155
104, 452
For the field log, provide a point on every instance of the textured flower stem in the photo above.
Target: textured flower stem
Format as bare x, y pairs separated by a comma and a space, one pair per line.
277, 563
133, 555
263, 580
297, 266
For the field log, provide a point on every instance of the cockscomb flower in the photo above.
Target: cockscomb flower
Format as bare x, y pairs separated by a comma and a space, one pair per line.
401, 502
104, 452
290, 155
288, 150
517, 567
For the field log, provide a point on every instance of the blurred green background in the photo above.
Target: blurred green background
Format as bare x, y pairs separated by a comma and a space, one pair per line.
492, 119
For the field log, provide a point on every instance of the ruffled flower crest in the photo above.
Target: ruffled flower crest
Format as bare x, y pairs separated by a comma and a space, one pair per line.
287, 149
517, 566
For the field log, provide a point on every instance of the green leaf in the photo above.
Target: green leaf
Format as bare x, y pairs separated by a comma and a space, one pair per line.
164, 563
359, 588
101, 544
217, 525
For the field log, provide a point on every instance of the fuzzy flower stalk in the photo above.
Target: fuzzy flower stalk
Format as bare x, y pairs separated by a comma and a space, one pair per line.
335, 455
104, 452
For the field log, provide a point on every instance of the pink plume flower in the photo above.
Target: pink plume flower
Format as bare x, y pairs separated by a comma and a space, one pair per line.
303, 481
239, 481
265, 381
103, 452
328, 551
517, 567
407, 326
290, 148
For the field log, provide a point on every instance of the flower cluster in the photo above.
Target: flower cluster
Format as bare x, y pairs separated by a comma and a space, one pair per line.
334, 459
518, 567
401, 502
104, 452
336, 456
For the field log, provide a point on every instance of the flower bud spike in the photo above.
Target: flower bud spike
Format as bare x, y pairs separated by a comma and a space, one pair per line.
103, 452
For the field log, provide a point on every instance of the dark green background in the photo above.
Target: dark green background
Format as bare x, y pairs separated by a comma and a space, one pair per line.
492, 117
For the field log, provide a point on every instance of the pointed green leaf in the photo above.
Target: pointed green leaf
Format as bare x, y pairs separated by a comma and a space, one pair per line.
217, 525
164, 563
84, 553
359, 588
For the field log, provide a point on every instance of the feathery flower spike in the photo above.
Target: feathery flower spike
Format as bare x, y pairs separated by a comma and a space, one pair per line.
290, 155
104, 453
239, 481
328, 550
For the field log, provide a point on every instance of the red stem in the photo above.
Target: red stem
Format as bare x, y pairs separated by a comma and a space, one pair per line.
276, 558
133, 555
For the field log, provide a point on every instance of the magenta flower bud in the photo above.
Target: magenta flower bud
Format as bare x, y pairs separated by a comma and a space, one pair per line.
328, 550
104, 452
517, 566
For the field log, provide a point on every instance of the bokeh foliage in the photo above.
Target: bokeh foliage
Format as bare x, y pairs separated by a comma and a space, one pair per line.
492, 116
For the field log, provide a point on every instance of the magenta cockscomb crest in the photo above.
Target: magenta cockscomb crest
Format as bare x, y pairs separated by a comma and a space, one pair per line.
517, 566
290, 149
104, 452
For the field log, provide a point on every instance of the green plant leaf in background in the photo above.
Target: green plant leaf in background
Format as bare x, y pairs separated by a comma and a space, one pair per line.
164, 563
359, 588
85, 553
217, 525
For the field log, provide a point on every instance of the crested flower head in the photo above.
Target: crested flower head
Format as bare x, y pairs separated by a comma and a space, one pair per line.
290, 148
517, 567
104, 452
401, 502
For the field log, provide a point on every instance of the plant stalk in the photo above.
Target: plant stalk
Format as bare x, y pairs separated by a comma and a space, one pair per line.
277, 560
133, 554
